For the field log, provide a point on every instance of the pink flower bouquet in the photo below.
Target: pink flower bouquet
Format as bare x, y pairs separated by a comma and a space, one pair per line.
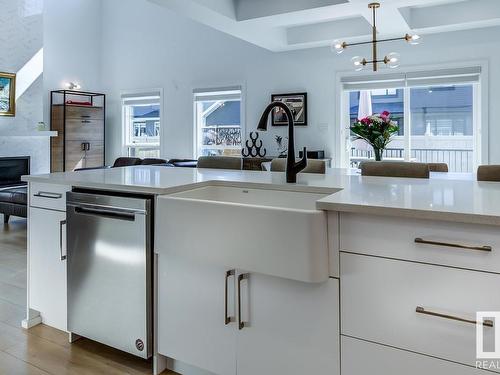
376, 130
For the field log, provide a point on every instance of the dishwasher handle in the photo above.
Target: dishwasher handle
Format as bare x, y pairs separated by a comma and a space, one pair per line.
110, 213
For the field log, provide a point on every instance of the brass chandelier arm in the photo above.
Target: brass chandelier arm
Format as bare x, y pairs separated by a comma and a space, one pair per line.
376, 61
344, 45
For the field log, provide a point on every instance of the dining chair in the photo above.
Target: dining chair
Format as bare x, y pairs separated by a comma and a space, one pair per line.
394, 169
488, 173
220, 162
438, 167
313, 166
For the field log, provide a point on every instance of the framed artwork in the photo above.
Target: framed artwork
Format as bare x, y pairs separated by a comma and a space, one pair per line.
297, 104
7, 94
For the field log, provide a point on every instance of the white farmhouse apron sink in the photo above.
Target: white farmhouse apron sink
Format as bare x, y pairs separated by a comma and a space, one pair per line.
273, 232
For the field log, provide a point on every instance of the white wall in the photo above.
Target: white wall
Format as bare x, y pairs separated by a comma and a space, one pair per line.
69, 31
72, 46
146, 46
21, 26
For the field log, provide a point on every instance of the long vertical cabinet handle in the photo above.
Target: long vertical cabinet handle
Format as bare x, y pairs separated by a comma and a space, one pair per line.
227, 319
61, 224
241, 277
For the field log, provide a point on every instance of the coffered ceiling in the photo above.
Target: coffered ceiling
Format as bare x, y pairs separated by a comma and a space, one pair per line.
281, 25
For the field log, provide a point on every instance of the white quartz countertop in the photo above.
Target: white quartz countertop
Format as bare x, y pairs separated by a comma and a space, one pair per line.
447, 197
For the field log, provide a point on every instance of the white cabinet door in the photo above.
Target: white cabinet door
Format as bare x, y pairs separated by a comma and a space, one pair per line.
47, 278
290, 328
191, 314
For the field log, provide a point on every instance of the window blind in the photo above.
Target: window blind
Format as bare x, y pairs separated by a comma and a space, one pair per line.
372, 82
427, 78
444, 77
142, 98
226, 93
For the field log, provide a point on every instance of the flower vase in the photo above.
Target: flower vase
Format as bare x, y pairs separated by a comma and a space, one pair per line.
378, 153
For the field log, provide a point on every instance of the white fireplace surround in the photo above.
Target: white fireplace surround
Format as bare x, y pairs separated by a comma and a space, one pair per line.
34, 144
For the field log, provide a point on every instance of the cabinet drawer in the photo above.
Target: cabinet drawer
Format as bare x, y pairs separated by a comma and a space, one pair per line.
84, 112
453, 244
359, 356
88, 129
380, 298
48, 196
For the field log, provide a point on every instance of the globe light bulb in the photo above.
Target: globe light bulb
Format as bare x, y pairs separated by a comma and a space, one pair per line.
392, 60
413, 39
359, 63
338, 46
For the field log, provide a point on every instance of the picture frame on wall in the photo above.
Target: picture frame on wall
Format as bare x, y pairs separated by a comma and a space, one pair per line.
7, 94
298, 105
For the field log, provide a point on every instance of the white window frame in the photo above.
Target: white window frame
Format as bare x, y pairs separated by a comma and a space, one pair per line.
215, 91
141, 94
480, 101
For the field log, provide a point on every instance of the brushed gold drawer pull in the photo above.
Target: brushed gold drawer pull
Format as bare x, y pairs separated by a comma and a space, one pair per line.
456, 245
421, 310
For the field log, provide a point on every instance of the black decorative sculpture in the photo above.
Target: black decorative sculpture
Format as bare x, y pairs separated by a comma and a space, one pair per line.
255, 148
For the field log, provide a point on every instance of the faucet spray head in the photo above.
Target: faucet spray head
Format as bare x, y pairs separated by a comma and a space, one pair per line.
262, 126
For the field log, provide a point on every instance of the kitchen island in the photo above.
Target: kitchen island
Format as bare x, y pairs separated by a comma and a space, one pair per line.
402, 256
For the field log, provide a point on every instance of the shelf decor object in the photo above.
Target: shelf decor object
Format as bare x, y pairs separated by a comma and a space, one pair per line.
7, 94
376, 130
392, 60
253, 147
79, 119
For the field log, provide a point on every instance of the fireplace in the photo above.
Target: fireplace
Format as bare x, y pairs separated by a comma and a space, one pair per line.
12, 168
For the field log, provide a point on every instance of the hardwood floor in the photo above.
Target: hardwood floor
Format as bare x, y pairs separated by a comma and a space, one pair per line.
42, 349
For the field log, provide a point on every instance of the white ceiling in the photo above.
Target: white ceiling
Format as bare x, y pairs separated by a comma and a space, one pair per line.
282, 25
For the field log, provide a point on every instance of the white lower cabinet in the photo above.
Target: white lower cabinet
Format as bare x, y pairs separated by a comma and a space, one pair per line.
361, 357
191, 326
291, 327
287, 327
417, 307
47, 270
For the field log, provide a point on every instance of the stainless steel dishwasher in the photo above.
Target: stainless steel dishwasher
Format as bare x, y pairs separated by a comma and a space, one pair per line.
109, 270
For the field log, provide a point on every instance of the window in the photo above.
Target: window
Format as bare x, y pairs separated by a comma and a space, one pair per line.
218, 125
436, 113
142, 124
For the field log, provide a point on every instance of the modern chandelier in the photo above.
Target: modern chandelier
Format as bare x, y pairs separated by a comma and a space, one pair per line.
391, 60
